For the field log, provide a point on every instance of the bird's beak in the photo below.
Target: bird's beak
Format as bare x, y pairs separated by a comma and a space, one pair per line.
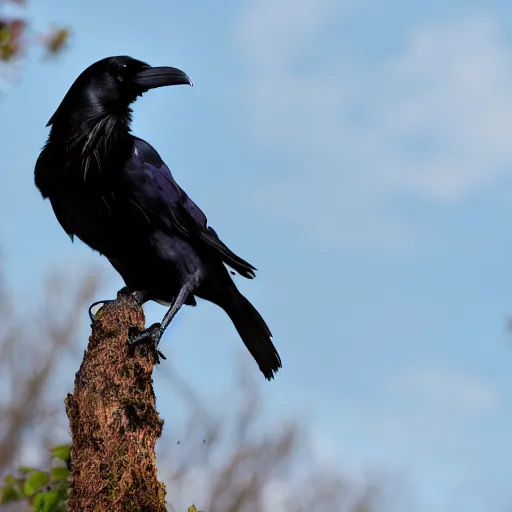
152, 78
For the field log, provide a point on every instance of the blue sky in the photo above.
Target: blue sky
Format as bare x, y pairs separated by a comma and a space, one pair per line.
358, 153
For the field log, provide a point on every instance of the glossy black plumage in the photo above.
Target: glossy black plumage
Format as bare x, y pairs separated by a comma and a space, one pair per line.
113, 191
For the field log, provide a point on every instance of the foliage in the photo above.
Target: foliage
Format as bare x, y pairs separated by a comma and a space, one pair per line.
14, 35
45, 491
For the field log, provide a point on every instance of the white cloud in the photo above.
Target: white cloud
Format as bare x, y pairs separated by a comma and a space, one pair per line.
430, 123
452, 88
431, 405
429, 411
445, 392
426, 413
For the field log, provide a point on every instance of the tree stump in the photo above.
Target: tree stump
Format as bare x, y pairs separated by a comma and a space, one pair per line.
113, 419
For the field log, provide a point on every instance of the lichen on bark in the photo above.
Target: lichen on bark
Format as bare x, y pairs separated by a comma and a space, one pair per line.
113, 419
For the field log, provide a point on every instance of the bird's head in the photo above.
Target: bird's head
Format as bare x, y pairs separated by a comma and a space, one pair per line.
112, 84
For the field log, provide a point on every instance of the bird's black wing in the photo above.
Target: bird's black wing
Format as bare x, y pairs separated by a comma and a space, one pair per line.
149, 184
43, 178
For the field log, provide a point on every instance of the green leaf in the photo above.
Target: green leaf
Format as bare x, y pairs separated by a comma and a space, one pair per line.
9, 479
60, 473
34, 482
25, 470
9, 493
46, 502
61, 452
192, 508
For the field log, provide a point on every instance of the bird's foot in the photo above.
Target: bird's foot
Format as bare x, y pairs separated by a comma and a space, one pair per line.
152, 336
92, 315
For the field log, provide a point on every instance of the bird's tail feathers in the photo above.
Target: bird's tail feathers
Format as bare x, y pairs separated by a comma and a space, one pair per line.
255, 334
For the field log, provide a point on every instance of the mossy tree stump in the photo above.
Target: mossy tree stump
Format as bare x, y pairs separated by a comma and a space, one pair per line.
113, 419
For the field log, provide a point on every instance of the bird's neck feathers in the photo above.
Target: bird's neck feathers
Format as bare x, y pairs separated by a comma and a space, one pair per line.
91, 135
90, 128
90, 140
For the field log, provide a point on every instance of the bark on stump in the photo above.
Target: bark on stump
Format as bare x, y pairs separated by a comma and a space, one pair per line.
113, 419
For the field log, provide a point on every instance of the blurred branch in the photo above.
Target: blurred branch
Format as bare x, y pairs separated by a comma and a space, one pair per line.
26, 370
113, 419
238, 457
232, 454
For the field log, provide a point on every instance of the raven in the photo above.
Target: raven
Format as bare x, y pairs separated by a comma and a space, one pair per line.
112, 190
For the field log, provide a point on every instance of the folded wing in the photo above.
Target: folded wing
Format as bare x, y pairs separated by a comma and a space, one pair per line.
149, 184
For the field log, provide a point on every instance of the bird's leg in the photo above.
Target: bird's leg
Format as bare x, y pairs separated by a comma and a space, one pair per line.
153, 334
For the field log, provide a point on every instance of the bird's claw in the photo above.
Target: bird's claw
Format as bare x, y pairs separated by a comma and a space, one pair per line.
152, 335
123, 291
93, 316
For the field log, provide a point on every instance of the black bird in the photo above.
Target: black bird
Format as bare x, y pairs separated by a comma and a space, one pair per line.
113, 191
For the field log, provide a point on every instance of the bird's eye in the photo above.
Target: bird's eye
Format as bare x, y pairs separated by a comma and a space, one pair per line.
120, 76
